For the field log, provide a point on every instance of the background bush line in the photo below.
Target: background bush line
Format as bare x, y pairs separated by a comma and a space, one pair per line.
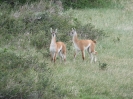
90, 3
72, 3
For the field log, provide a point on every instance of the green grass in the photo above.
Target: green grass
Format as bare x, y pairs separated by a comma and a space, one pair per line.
82, 80
79, 79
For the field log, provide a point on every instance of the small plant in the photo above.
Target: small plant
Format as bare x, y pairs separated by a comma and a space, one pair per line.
116, 39
102, 66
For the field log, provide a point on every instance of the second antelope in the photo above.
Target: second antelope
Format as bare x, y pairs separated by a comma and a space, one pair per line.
82, 45
57, 47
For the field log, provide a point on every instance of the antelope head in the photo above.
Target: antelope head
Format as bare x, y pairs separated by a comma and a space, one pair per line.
73, 32
53, 33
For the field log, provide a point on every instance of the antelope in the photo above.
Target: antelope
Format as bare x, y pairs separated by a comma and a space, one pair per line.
57, 47
82, 45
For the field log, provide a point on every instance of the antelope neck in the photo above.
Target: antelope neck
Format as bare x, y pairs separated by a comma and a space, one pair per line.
75, 38
53, 40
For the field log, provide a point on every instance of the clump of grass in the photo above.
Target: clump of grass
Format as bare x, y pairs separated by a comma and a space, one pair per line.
102, 66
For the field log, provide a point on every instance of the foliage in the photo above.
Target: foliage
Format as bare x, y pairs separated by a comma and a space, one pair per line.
89, 3
40, 40
10, 25
21, 76
88, 31
20, 1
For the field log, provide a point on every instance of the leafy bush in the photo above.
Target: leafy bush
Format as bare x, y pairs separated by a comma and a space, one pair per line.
22, 77
39, 40
89, 31
10, 25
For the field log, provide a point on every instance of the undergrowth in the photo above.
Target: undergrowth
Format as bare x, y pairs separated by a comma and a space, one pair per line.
20, 77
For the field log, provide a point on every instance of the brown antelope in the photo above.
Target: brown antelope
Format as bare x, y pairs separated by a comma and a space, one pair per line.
57, 47
82, 45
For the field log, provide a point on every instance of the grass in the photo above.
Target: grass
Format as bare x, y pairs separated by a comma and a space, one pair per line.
82, 80
79, 79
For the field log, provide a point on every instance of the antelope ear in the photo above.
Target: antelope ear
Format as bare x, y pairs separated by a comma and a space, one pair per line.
55, 30
51, 30
73, 29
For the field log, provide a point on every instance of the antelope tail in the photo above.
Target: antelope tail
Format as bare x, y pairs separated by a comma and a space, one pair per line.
94, 41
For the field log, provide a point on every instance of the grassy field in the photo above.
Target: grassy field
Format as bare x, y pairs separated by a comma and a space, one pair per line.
82, 80
109, 78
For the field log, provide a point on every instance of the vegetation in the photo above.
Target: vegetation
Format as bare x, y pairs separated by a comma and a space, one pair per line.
26, 71
90, 3
22, 76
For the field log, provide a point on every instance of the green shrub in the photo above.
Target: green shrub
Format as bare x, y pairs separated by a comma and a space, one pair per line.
89, 31
40, 40
10, 25
22, 77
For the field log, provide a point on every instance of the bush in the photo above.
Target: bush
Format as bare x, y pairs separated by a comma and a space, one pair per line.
10, 25
22, 77
40, 40
89, 31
